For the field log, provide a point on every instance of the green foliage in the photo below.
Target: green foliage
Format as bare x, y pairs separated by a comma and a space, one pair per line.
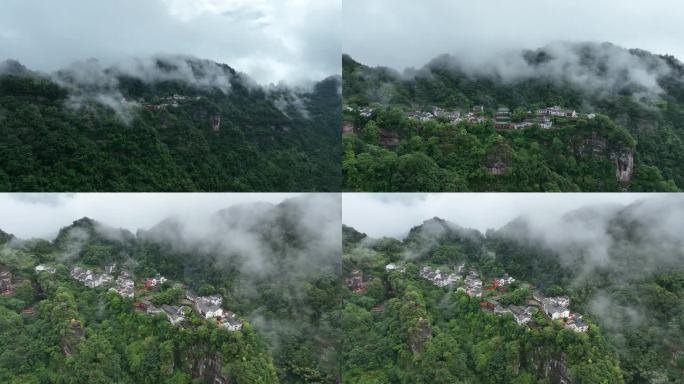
635, 333
47, 146
575, 155
77, 334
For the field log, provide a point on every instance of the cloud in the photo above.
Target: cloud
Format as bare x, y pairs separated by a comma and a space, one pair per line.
394, 214
405, 33
635, 240
42, 215
272, 41
253, 237
50, 199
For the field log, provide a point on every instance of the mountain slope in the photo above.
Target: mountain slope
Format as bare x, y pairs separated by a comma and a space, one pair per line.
274, 267
635, 146
621, 267
170, 124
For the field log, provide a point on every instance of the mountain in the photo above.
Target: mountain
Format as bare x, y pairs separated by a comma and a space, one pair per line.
620, 267
5, 237
625, 133
266, 265
168, 123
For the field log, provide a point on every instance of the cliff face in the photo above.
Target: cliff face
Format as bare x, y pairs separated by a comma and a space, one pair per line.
419, 335
623, 158
205, 365
72, 337
552, 368
624, 165
209, 368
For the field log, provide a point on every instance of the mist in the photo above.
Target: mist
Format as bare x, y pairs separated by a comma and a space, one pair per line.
89, 81
394, 214
585, 44
404, 33
41, 215
257, 236
270, 40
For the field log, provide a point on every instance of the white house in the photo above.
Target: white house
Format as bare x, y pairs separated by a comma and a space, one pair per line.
395, 267
45, 268
157, 280
505, 279
522, 316
562, 301
554, 311
231, 324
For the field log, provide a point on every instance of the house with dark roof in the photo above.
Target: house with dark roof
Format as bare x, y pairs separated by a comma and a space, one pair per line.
174, 314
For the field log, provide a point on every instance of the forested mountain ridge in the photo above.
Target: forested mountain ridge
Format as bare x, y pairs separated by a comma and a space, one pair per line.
620, 268
96, 305
165, 124
627, 135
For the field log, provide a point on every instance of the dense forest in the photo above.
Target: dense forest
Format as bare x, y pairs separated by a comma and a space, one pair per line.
278, 276
399, 327
165, 124
633, 139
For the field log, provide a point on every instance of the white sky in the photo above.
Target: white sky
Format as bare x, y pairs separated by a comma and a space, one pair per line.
271, 40
43, 214
403, 33
394, 214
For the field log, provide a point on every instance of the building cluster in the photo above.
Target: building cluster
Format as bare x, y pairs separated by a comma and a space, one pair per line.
502, 120
6, 286
207, 306
557, 111
155, 281
124, 285
366, 111
475, 116
503, 280
522, 315
556, 308
355, 281
174, 314
89, 278
473, 284
438, 277
173, 101
210, 308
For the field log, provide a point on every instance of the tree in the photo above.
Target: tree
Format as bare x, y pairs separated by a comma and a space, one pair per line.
371, 133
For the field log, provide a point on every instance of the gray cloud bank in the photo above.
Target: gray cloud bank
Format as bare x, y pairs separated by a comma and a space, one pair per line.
255, 236
405, 33
270, 40
41, 215
637, 239
394, 214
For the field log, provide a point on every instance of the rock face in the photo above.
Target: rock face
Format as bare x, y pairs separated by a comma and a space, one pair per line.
623, 159
388, 139
72, 337
216, 122
209, 369
355, 281
205, 365
594, 145
554, 369
497, 169
498, 158
419, 335
624, 165
6, 286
